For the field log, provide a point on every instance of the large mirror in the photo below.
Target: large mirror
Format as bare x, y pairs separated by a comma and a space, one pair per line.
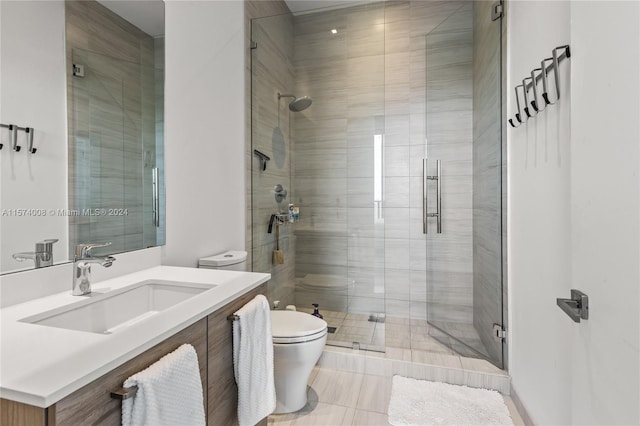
84, 80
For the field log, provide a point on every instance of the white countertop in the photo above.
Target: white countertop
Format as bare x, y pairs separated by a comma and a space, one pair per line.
40, 365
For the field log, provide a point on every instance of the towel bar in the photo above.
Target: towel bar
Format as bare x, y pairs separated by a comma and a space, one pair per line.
233, 318
124, 393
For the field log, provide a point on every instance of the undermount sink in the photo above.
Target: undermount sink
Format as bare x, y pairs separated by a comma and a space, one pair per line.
109, 312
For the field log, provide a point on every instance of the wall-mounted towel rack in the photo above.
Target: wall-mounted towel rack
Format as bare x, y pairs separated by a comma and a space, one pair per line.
530, 83
124, 393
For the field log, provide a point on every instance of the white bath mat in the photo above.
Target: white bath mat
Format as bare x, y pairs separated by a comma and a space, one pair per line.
420, 402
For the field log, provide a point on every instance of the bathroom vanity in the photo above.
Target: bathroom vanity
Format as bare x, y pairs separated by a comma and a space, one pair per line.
57, 371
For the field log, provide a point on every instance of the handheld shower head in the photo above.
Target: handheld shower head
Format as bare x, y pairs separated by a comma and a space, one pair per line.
297, 104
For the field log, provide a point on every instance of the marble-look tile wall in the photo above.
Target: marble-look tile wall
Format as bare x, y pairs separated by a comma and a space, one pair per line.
272, 73
112, 127
487, 170
253, 10
368, 79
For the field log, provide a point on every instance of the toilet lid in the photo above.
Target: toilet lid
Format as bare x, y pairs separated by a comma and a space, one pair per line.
295, 327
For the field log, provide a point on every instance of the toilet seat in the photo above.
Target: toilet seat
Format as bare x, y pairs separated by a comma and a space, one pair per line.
296, 327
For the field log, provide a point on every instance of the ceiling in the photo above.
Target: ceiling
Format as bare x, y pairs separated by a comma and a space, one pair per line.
298, 7
147, 15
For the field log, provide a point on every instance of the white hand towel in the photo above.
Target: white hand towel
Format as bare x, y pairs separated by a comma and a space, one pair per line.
169, 392
253, 362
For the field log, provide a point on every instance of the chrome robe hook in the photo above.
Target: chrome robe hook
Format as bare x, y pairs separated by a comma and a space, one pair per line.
525, 89
519, 113
535, 103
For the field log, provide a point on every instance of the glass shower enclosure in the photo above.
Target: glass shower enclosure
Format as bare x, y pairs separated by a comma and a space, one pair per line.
395, 169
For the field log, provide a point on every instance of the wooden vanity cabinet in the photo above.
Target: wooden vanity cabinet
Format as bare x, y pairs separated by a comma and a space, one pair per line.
92, 404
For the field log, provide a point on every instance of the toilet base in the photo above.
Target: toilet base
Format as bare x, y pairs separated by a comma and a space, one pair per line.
293, 364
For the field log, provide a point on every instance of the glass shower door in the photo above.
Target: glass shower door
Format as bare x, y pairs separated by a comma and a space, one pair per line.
329, 159
462, 182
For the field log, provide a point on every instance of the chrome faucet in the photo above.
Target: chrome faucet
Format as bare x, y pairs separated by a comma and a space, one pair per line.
42, 256
82, 267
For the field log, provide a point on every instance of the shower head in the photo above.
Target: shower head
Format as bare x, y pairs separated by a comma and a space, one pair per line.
297, 104
300, 104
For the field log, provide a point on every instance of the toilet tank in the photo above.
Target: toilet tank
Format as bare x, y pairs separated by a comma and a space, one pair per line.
233, 260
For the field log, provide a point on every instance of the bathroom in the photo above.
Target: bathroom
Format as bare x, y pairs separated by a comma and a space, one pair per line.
558, 167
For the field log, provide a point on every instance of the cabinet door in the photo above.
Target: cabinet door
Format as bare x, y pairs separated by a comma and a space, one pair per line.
19, 414
223, 392
93, 405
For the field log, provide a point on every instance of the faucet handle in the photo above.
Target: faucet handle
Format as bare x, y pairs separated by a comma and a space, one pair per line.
45, 245
84, 250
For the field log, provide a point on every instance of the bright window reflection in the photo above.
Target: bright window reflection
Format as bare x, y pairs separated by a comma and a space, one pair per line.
378, 178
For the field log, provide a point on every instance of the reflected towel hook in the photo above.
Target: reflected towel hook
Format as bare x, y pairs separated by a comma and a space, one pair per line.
12, 130
29, 131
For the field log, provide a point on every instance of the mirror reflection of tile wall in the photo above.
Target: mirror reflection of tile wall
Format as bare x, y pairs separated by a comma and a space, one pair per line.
115, 124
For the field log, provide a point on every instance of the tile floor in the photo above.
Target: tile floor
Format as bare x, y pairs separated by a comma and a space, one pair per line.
341, 398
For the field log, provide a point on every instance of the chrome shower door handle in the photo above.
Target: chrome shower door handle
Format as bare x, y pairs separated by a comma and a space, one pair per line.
424, 196
155, 209
425, 206
439, 197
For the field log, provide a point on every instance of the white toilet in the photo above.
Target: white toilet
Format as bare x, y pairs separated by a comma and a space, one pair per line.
298, 341
229, 260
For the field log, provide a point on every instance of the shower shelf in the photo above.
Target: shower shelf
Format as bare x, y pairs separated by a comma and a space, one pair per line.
278, 219
282, 218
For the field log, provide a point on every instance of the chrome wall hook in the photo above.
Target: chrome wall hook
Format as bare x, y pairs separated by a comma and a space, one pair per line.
556, 65
530, 82
545, 83
525, 90
534, 85
519, 113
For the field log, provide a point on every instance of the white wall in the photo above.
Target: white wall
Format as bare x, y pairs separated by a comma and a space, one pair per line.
539, 219
574, 215
204, 144
605, 219
33, 94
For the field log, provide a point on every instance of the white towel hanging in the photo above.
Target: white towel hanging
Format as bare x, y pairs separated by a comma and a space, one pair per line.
169, 392
253, 361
